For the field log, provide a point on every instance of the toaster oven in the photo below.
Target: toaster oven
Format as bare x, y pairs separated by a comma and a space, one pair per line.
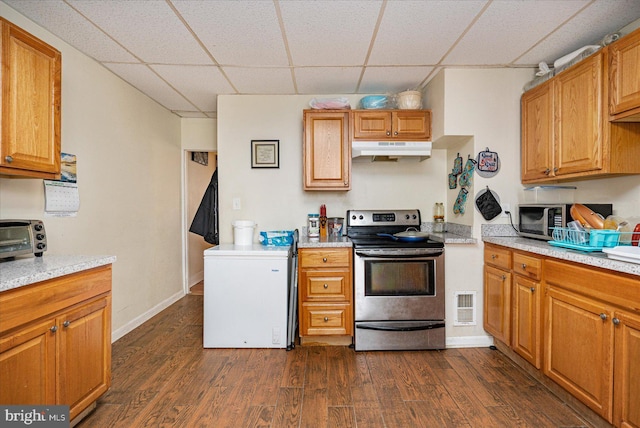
20, 237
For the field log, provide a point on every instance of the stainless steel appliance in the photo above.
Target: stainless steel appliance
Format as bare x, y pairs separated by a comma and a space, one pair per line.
538, 220
19, 237
398, 282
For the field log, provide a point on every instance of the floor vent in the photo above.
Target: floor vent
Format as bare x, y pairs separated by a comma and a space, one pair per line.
465, 310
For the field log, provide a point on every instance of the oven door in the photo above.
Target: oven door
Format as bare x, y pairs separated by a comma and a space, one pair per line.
399, 287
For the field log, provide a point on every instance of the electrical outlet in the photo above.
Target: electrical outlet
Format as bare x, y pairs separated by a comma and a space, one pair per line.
236, 203
505, 207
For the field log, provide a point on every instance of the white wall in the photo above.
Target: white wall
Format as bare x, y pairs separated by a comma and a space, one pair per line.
274, 198
128, 153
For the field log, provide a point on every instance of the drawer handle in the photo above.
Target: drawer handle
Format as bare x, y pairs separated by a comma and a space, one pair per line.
54, 329
326, 319
603, 317
524, 266
326, 286
324, 260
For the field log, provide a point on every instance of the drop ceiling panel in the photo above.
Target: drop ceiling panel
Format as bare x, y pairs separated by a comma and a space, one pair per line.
380, 80
71, 27
200, 84
501, 32
421, 32
261, 80
141, 77
328, 33
237, 33
327, 80
150, 30
602, 18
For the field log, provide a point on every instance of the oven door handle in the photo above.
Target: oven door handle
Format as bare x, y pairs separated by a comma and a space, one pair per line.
365, 253
387, 327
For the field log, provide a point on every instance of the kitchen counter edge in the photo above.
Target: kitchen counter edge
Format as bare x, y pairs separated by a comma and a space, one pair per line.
596, 259
24, 271
447, 238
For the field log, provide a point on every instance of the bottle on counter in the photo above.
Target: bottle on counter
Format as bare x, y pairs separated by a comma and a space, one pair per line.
313, 225
323, 221
438, 217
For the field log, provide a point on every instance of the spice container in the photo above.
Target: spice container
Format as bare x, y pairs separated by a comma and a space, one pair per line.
323, 221
313, 225
438, 217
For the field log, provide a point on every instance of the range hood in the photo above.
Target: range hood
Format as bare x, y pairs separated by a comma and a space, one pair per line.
391, 150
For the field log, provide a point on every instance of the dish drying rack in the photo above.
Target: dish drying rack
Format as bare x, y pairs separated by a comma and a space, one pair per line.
589, 239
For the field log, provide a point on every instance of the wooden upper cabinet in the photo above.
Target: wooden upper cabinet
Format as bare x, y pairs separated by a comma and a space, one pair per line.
326, 150
624, 78
566, 133
381, 125
31, 76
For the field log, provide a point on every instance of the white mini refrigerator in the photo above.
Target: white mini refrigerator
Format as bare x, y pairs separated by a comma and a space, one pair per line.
246, 296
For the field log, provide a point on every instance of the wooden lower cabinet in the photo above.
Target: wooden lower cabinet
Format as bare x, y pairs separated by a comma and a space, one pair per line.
325, 296
497, 303
579, 348
526, 332
626, 379
64, 356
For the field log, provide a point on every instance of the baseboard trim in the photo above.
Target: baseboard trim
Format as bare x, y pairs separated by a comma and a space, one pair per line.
141, 319
469, 342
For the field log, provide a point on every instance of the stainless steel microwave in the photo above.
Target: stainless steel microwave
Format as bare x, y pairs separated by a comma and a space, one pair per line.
19, 237
538, 220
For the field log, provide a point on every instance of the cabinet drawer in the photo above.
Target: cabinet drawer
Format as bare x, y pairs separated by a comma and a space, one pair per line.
325, 319
324, 257
497, 256
528, 266
326, 286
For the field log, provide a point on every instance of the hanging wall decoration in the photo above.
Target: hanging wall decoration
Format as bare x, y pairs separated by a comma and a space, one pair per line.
488, 163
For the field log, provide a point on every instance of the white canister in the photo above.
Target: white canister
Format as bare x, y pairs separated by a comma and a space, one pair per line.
243, 232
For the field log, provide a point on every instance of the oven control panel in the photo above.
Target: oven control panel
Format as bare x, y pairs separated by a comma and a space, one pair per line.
383, 218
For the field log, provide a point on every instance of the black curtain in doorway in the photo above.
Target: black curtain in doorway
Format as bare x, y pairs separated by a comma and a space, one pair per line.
205, 222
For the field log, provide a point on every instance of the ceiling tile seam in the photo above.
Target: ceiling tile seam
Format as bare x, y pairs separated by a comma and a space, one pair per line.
466, 30
565, 22
172, 87
103, 32
202, 45
285, 40
383, 6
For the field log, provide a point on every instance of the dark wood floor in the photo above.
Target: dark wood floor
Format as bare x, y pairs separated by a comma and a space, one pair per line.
162, 377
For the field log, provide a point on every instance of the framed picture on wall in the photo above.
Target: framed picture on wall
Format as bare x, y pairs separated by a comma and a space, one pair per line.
265, 153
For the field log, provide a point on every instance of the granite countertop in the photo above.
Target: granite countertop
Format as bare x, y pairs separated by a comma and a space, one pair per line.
331, 241
29, 270
597, 259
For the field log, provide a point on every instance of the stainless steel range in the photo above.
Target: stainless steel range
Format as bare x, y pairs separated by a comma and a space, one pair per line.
398, 282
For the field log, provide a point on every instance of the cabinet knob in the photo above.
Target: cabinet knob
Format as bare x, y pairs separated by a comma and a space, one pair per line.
533, 289
493, 256
615, 321
555, 169
547, 171
395, 133
66, 324
524, 266
504, 277
388, 133
54, 329
326, 286
603, 317
9, 159
324, 260
326, 319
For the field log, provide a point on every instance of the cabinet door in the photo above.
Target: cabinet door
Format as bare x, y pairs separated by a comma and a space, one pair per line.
371, 125
28, 365
326, 151
627, 370
85, 354
30, 142
411, 124
537, 133
578, 136
525, 336
624, 69
497, 303
578, 347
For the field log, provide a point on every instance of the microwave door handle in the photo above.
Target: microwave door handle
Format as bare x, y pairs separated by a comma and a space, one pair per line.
545, 222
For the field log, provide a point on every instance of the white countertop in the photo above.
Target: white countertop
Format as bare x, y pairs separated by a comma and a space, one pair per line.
29, 270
